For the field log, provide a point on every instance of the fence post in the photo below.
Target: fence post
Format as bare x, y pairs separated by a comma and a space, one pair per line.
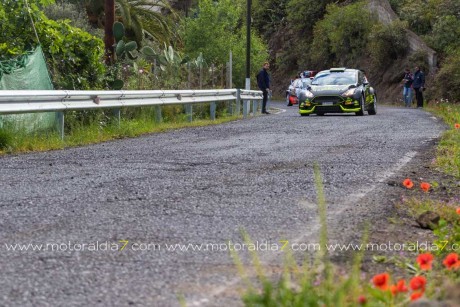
189, 112
60, 123
212, 111
158, 115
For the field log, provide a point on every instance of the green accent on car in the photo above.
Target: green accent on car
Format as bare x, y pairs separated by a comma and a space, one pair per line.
345, 110
370, 98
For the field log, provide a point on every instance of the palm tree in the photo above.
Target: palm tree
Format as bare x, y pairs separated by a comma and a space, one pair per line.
109, 40
142, 19
146, 19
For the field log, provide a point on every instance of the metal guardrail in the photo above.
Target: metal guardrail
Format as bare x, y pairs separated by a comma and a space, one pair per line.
14, 102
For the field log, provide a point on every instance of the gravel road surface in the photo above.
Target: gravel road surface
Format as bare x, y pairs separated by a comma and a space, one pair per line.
104, 219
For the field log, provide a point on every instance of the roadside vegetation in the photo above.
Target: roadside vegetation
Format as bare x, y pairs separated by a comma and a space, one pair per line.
83, 128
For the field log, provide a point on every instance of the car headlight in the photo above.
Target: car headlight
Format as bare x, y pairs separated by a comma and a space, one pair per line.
308, 94
350, 92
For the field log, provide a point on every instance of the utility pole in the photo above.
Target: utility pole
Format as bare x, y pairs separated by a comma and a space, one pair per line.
248, 45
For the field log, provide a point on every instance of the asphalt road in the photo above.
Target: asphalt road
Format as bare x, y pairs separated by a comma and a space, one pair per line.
105, 215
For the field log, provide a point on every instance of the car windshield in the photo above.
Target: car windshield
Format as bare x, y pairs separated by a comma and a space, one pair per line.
335, 78
306, 82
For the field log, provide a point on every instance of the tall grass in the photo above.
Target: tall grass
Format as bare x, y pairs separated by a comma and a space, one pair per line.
448, 151
316, 283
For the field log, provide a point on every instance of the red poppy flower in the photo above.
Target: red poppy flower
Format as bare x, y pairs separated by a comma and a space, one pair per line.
425, 260
425, 186
451, 261
457, 126
401, 286
408, 183
458, 210
416, 295
362, 300
418, 283
381, 281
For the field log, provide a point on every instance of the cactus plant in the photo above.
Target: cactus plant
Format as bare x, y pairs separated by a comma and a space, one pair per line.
123, 48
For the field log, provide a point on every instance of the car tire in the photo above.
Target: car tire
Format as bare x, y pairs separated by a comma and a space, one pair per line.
304, 114
373, 107
361, 112
320, 114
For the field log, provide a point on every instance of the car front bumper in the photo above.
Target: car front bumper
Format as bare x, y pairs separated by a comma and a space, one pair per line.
338, 105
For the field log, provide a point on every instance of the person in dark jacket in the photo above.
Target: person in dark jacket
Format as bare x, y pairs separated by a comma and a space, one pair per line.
407, 88
263, 82
419, 86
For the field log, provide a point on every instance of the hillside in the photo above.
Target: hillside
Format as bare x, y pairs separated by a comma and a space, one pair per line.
390, 40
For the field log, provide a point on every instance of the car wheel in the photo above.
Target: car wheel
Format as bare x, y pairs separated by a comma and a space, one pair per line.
361, 112
373, 107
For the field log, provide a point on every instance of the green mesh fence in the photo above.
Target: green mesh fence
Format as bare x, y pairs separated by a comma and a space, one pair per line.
26, 72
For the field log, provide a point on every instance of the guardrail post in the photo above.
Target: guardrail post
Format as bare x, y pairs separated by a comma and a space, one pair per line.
238, 102
245, 108
254, 107
158, 115
60, 123
230, 107
189, 112
117, 115
212, 111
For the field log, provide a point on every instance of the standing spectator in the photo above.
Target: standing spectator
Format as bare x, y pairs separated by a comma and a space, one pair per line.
407, 88
263, 81
419, 86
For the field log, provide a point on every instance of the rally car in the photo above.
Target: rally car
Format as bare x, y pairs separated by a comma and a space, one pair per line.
338, 90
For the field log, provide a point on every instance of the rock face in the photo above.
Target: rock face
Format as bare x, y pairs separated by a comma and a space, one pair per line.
428, 220
386, 15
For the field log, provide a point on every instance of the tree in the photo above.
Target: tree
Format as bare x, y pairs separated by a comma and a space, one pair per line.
146, 19
109, 40
218, 28
151, 19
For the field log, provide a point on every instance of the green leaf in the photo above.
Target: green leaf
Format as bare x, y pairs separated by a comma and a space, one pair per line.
118, 31
131, 46
120, 49
117, 84
148, 51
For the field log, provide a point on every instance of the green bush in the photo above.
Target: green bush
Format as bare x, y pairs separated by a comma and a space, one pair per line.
74, 57
341, 37
447, 82
445, 35
6, 139
419, 14
218, 28
387, 43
